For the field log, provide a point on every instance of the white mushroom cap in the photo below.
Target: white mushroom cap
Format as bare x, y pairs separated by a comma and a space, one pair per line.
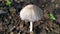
31, 13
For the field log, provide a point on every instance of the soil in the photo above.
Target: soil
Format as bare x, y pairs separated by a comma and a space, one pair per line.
11, 23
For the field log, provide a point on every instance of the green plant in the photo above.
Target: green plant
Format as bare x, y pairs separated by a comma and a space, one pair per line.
52, 17
8, 3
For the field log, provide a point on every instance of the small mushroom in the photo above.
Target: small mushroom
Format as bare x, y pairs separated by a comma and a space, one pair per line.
31, 13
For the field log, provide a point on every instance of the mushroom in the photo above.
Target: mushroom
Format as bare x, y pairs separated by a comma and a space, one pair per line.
31, 13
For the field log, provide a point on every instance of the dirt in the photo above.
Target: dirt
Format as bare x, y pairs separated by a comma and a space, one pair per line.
11, 23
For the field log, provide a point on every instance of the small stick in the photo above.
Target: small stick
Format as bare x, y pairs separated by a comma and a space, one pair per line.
12, 28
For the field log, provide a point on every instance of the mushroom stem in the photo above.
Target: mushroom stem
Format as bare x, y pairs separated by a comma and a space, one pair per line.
31, 26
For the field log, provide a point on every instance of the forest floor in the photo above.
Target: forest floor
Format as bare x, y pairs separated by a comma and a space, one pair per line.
11, 23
